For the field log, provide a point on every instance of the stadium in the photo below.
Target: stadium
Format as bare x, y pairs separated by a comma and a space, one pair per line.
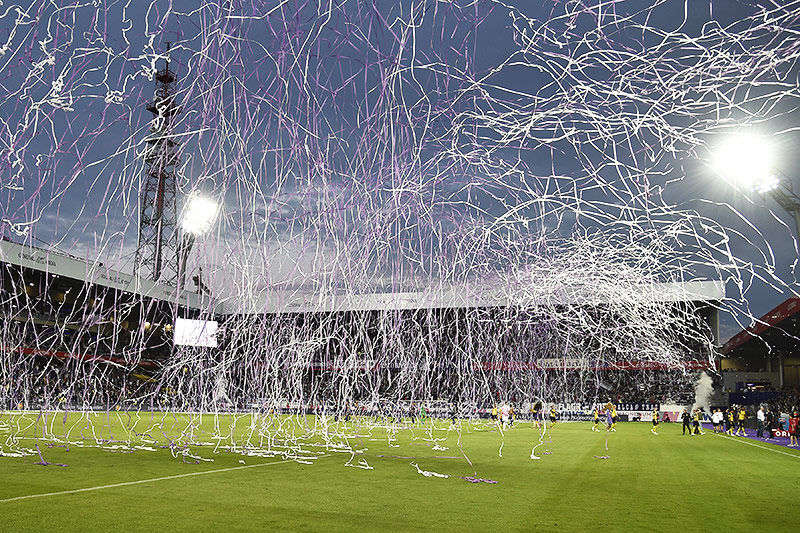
115, 380
407, 266
122, 331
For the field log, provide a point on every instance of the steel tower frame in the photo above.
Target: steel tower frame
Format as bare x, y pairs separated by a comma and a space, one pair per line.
157, 248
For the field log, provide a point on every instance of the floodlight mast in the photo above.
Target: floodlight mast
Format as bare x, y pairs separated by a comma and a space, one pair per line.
157, 240
783, 193
747, 161
785, 197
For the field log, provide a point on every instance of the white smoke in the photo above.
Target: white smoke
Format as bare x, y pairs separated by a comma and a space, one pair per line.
703, 390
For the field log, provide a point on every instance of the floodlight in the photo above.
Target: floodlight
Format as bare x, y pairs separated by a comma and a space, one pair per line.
769, 184
746, 161
199, 214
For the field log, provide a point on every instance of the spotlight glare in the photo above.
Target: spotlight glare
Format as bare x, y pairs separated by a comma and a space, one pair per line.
199, 215
746, 161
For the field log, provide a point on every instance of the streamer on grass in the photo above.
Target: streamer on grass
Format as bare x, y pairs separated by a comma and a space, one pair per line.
418, 147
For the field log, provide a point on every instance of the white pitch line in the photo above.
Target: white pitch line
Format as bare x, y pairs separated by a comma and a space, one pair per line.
87, 489
796, 456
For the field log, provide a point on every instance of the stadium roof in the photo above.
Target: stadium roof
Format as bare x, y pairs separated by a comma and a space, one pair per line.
305, 300
466, 297
94, 272
776, 329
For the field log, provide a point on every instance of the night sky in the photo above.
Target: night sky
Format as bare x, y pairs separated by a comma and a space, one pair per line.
359, 146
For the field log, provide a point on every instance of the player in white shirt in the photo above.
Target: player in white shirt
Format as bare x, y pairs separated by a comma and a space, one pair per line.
505, 414
716, 419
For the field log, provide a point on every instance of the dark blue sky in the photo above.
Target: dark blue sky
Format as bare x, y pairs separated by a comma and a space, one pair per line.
390, 145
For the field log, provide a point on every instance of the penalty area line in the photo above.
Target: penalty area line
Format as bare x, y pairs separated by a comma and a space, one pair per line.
140, 481
796, 456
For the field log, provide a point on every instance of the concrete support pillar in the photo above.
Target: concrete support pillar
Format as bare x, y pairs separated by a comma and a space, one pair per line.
780, 368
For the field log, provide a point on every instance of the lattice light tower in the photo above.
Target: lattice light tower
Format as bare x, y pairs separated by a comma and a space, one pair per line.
157, 250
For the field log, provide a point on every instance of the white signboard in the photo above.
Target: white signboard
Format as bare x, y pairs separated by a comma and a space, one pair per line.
195, 332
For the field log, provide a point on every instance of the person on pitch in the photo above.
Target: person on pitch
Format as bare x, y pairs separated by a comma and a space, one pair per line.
794, 429
740, 422
505, 411
610, 422
697, 416
596, 416
686, 419
716, 418
614, 417
654, 429
535, 408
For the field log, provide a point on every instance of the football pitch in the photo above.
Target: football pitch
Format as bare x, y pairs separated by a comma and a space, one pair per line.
153, 472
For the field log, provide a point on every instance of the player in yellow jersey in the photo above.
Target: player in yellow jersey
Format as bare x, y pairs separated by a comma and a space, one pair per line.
740, 422
535, 408
596, 415
614, 418
654, 429
697, 417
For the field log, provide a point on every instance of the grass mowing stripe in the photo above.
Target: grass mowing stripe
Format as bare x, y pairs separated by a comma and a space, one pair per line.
796, 456
126, 483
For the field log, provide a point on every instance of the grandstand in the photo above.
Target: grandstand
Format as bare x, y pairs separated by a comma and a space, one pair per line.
59, 312
760, 363
768, 346
57, 307
53, 296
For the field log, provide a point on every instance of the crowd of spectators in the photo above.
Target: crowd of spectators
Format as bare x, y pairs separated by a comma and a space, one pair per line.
49, 382
788, 402
653, 387
46, 381
621, 386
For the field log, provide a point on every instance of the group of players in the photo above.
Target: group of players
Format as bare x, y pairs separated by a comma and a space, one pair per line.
692, 422
504, 415
611, 417
723, 421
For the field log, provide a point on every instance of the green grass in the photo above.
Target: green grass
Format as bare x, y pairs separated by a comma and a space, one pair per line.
667, 482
